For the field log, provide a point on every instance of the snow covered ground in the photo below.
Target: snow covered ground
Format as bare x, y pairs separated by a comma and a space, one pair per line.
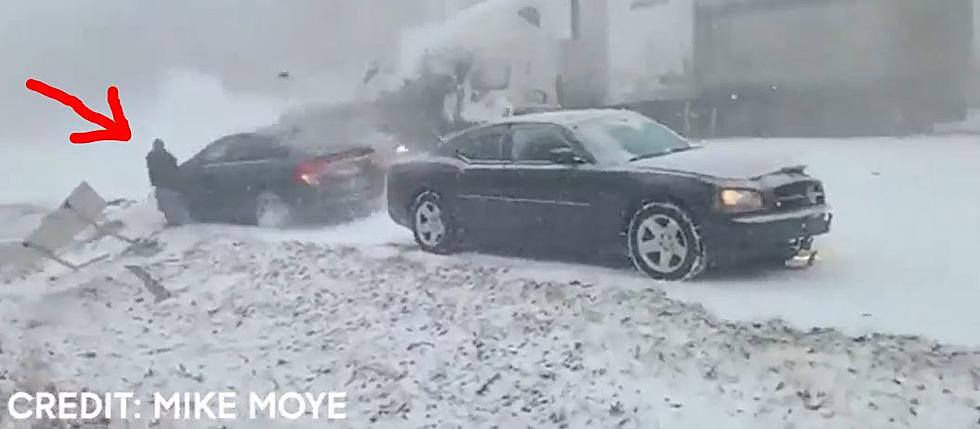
477, 340
902, 255
424, 341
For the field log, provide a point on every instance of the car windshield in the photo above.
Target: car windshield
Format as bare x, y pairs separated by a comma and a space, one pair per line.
627, 138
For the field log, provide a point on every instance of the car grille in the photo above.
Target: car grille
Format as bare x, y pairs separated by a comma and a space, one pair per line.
799, 195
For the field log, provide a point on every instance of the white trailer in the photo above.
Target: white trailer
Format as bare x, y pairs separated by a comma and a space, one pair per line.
790, 67
651, 51
731, 67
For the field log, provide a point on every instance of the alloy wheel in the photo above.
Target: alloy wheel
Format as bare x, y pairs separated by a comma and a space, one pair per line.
429, 224
661, 243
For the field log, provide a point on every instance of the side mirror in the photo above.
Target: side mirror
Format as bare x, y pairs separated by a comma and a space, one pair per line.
565, 156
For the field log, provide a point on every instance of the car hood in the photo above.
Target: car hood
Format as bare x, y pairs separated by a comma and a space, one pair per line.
720, 161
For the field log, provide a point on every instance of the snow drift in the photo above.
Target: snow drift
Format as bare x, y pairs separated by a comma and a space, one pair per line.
418, 340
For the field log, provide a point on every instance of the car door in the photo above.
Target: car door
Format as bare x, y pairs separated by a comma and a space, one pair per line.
549, 196
199, 184
483, 207
253, 165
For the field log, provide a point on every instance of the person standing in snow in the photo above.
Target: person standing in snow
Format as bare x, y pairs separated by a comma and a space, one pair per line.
165, 179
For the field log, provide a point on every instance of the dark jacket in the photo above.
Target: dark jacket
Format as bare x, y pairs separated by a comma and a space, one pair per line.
162, 167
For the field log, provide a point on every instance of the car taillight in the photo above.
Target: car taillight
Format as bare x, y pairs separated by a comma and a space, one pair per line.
337, 166
310, 172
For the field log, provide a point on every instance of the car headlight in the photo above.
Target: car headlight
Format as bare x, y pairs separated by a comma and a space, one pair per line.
740, 200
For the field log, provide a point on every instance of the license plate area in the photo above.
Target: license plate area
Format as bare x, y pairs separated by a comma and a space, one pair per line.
814, 225
343, 171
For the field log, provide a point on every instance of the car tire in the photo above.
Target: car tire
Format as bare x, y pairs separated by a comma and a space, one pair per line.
664, 243
271, 211
432, 224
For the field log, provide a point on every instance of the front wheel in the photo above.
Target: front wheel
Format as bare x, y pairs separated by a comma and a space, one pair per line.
664, 243
432, 224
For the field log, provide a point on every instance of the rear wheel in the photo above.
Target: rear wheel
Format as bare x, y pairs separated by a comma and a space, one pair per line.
271, 211
432, 224
663, 242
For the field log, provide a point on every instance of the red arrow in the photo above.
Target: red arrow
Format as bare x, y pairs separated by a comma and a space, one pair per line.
116, 128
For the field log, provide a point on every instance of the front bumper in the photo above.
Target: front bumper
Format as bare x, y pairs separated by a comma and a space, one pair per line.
743, 238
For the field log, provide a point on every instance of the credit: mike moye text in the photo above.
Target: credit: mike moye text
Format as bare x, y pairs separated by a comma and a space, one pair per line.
179, 406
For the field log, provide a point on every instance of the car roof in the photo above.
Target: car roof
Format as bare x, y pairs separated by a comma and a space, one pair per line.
565, 117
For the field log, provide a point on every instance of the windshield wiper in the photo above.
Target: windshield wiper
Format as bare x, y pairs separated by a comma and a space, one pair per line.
657, 154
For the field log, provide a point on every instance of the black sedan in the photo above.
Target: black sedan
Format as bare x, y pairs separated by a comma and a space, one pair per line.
259, 178
601, 179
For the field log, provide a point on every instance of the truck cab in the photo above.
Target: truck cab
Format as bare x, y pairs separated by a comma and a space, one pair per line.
502, 57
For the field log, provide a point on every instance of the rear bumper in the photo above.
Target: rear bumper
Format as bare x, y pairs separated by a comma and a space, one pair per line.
399, 214
326, 204
745, 238
399, 203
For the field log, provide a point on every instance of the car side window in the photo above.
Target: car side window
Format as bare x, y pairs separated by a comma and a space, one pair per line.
216, 152
484, 146
255, 148
534, 143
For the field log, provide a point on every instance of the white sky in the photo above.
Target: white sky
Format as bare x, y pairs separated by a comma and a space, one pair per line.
188, 71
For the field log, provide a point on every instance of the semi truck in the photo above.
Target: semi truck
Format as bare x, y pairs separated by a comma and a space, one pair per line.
496, 58
707, 67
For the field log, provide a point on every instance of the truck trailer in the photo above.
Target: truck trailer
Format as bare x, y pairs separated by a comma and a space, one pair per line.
709, 67
812, 67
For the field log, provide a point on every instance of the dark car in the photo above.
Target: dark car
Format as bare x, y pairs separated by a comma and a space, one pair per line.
261, 178
607, 179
